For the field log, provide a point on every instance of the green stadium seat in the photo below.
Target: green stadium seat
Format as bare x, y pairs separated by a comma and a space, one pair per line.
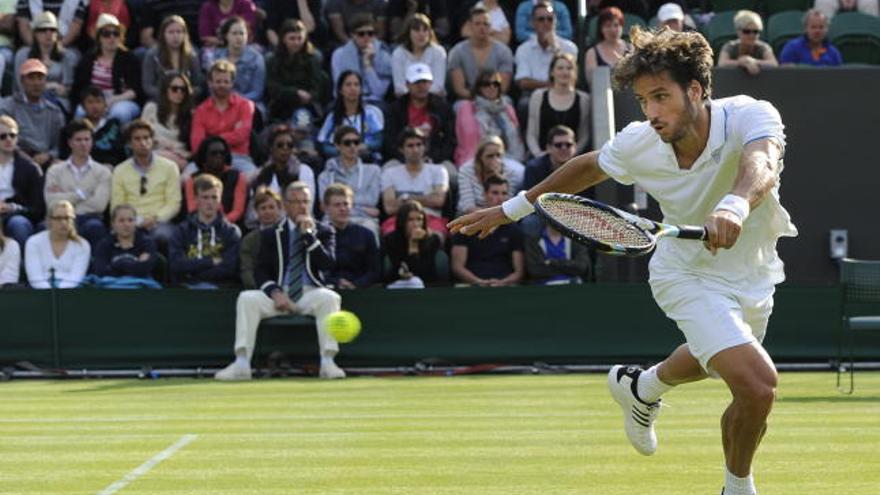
860, 309
782, 27
857, 36
777, 6
724, 5
720, 30
629, 21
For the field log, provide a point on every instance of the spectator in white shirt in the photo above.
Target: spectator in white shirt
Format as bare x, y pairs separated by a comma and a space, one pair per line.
57, 257
10, 259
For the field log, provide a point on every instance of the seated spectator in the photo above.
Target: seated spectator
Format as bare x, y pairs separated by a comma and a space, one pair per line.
213, 157
418, 45
126, 251
111, 67
57, 257
412, 249
488, 161
364, 179
82, 182
813, 48
357, 252
672, 16
150, 14
116, 8
350, 110
148, 182
342, 15
489, 113
534, 56
401, 13
297, 253
204, 251
552, 259
108, 133
267, 204
464, 64
499, 27
283, 166
281, 12
610, 46
296, 85
10, 260
214, 12
747, 52
40, 122
21, 186
250, 68
496, 260
414, 180
366, 55
226, 114
7, 35
172, 55
560, 104
526, 26
421, 109
60, 62
832, 7
559, 148
171, 117
72, 15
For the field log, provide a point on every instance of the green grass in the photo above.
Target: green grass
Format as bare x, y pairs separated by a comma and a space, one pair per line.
462, 435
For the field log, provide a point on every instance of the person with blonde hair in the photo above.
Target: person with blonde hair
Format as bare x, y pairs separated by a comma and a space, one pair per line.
747, 52
57, 257
488, 161
712, 162
560, 104
173, 54
21, 186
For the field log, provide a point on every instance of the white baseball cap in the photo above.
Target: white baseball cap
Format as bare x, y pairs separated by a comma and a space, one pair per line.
670, 11
418, 72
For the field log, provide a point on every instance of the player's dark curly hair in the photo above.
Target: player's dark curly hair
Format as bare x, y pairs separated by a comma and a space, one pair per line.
685, 56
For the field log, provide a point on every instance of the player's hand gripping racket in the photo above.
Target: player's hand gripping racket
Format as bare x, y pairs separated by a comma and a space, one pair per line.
606, 228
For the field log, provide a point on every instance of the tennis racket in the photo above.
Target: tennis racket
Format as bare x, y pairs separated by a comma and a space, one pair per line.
606, 228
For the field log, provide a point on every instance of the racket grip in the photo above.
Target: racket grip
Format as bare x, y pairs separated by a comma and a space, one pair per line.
692, 232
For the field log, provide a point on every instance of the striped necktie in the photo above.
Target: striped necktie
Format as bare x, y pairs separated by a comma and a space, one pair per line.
295, 267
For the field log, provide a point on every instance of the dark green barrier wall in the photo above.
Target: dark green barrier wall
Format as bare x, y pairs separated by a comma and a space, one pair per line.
577, 324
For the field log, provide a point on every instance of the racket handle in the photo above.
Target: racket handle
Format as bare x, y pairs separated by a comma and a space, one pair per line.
691, 232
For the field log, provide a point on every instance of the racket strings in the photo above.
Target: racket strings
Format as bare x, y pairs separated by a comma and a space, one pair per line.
597, 224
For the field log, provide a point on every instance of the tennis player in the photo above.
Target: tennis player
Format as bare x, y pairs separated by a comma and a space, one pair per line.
710, 162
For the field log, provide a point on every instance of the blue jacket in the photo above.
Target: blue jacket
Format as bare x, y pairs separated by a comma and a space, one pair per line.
194, 246
357, 256
797, 51
112, 260
275, 253
250, 73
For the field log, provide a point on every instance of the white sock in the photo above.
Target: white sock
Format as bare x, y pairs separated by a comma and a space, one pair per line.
650, 387
734, 485
327, 360
242, 362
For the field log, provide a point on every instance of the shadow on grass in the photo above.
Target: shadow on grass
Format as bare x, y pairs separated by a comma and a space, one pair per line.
104, 385
831, 398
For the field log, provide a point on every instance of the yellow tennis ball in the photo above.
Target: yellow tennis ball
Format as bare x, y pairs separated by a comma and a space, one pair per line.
344, 326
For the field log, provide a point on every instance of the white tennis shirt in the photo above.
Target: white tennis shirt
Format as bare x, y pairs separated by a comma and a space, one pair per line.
638, 155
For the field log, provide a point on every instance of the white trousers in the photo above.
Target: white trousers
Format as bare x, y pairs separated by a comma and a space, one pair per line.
830, 7
253, 306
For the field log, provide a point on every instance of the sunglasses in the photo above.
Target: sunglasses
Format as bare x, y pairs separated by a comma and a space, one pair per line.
365, 33
143, 185
110, 33
177, 89
563, 145
486, 84
284, 144
7, 135
750, 31
351, 142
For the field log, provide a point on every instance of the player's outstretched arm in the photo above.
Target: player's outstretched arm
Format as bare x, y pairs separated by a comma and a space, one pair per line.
757, 175
575, 175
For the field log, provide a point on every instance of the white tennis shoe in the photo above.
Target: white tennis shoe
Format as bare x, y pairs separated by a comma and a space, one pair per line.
233, 373
638, 416
331, 371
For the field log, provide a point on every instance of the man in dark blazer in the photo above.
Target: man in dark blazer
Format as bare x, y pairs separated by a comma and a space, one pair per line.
22, 205
289, 272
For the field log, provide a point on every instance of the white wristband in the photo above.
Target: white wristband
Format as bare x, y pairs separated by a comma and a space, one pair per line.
735, 204
517, 207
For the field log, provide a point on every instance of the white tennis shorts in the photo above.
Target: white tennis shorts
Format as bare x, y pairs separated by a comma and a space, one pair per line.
714, 316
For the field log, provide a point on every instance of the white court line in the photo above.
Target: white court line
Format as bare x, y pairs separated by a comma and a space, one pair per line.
147, 466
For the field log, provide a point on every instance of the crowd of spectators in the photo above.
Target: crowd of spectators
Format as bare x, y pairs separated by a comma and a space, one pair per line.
143, 138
